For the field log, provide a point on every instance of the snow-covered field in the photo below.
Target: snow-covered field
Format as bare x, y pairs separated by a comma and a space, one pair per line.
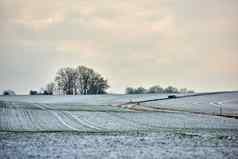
224, 103
217, 144
83, 99
99, 127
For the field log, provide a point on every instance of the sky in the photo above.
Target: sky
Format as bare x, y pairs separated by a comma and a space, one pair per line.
184, 43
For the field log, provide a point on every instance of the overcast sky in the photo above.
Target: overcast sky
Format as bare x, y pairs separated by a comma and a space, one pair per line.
185, 43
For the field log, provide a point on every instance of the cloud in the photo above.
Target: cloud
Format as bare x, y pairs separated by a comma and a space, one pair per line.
85, 49
145, 42
40, 24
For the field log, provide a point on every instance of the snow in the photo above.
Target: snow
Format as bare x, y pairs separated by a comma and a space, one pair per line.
213, 104
94, 127
82, 99
38, 117
217, 144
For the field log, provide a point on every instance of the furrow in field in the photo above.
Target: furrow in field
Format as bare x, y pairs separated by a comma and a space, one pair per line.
72, 122
85, 122
28, 120
225, 104
28, 116
179, 120
59, 117
107, 121
135, 122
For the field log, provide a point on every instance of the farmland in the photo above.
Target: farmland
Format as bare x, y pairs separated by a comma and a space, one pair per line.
109, 126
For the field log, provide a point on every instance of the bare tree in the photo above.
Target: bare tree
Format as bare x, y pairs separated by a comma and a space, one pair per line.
66, 80
130, 90
90, 82
183, 90
84, 75
155, 89
50, 88
139, 90
171, 89
97, 85
82, 80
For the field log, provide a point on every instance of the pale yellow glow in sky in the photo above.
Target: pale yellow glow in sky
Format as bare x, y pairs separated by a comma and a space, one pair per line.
183, 43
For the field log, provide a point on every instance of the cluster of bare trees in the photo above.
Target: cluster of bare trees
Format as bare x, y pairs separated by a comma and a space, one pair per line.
79, 80
156, 89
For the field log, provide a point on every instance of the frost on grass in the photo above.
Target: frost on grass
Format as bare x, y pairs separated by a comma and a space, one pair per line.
164, 144
38, 117
224, 103
93, 127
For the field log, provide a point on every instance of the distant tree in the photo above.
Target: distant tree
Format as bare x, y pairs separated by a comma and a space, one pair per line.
90, 82
191, 91
140, 90
155, 89
97, 85
82, 80
8, 92
130, 90
66, 80
50, 88
45, 93
170, 89
32, 92
183, 90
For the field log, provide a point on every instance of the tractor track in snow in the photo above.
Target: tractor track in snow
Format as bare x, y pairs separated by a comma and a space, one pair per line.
56, 115
80, 121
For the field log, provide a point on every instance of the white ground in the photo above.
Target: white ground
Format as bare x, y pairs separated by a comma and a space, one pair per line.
227, 103
164, 144
94, 127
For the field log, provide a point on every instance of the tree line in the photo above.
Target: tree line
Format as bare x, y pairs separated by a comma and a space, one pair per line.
82, 80
75, 81
157, 89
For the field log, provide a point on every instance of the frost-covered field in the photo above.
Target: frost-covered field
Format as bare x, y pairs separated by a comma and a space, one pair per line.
84, 99
224, 103
99, 127
217, 144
